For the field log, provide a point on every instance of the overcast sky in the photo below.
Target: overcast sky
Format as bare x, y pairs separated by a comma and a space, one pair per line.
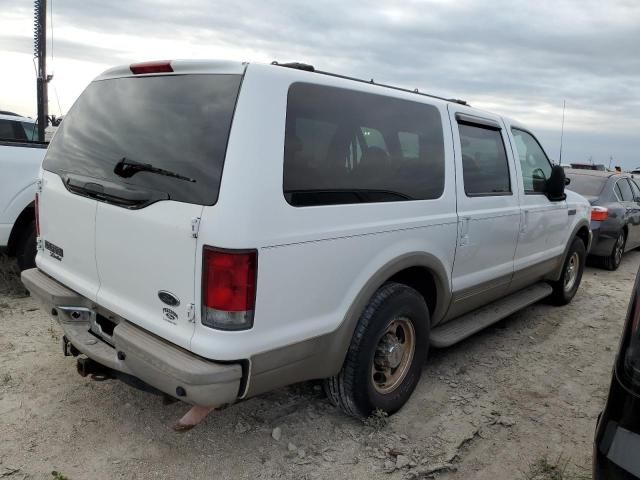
517, 58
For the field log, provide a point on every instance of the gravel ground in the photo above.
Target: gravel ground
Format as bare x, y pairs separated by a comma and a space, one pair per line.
517, 401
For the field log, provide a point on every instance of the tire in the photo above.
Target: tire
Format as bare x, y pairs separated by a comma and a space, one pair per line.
395, 317
566, 287
612, 262
26, 247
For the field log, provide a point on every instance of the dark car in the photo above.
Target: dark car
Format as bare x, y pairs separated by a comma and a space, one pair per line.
615, 214
616, 453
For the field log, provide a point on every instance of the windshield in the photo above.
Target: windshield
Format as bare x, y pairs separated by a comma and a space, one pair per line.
588, 185
178, 123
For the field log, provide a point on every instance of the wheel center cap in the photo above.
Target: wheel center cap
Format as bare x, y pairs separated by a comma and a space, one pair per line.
389, 353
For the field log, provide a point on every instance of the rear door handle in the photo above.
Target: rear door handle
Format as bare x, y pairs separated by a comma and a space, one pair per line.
572, 211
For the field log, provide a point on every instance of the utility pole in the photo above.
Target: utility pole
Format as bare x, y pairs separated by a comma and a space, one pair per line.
40, 52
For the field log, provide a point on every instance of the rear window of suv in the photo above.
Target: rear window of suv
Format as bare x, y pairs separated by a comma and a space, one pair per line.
344, 146
177, 123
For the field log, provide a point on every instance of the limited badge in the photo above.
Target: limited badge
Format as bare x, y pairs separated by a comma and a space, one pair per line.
169, 316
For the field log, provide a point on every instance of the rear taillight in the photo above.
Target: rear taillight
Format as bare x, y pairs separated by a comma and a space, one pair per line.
37, 212
598, 214
163, 66
228, 288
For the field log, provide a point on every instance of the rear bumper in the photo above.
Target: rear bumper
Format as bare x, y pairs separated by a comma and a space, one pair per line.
137, 352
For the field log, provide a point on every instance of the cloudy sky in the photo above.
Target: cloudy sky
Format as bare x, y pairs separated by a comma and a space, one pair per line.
518, 58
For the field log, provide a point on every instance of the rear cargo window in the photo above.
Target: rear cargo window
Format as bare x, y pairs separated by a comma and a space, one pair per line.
588, 185
177, 123
344, 146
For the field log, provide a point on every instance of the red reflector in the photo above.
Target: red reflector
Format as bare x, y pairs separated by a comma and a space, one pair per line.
151, 67
229, 280
37, 205
598, 214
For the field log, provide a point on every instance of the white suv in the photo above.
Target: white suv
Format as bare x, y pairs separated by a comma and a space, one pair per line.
221, 229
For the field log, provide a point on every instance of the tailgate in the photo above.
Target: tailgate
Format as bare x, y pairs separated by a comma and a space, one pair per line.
128, 174
144, 257
67, 234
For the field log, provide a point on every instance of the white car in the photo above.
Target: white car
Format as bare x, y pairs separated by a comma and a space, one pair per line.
20, 160
222, 229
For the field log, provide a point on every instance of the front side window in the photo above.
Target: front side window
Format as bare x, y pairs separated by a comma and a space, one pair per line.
344, 146
624, 190
12, 131
30, 131
484, 161
536, 168
635, 188
6, 130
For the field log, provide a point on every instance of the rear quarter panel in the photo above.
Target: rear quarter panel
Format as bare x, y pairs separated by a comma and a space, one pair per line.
312, 261
20, 166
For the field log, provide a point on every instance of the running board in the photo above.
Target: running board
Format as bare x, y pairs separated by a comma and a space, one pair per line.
462, 327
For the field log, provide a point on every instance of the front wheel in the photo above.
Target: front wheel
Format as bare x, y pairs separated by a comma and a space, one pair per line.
386, 355
566, 287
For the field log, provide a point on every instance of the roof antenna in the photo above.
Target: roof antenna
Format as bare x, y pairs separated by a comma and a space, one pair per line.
564, 104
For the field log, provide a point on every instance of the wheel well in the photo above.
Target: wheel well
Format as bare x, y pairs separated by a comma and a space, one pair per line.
423, 281
24, 219
626, 231
583, 234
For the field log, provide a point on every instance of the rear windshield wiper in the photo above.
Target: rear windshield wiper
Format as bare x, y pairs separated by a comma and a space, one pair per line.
127, 168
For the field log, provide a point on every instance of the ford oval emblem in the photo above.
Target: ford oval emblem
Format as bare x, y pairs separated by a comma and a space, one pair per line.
168, 298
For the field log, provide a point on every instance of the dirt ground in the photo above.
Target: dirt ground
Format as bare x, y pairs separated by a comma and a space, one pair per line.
517, 401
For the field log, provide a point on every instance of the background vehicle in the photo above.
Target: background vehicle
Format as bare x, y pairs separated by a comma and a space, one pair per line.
589, 166
615, 213
617, 439
20, 159
357, 249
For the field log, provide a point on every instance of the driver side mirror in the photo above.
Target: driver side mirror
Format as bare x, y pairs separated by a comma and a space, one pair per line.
555, 184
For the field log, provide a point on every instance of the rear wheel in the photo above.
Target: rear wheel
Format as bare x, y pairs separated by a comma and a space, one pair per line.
566, 287
26, 247
612, 262
386, 355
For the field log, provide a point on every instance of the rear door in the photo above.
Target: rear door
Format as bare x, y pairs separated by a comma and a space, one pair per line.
488, 210
139, 157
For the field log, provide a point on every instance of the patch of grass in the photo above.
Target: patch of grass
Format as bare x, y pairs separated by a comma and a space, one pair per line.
377, 420
59, 476
543, 469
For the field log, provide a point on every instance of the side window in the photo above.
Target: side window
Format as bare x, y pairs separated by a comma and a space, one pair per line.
625, 190
6, 130
536, 167
29, 131
484, 161
12, 130
409, 145
344, 146
635, 188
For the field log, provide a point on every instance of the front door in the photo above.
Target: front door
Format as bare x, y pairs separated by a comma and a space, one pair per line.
544, 224
626, 189
488, 210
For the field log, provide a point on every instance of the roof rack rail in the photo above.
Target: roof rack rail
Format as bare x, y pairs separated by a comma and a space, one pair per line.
310, 68
297, 65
